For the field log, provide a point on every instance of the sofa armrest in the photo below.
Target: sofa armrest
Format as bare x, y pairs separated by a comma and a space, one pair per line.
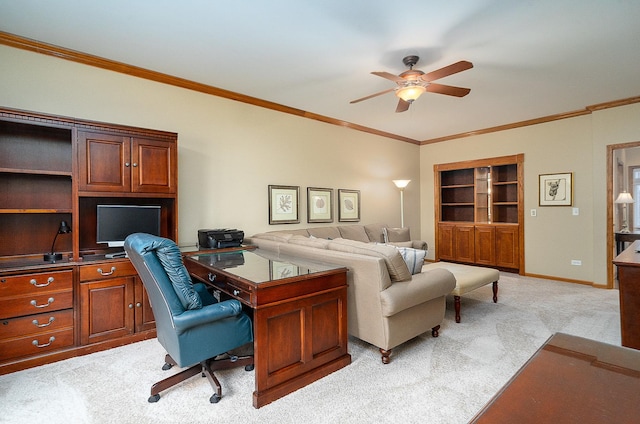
423, 287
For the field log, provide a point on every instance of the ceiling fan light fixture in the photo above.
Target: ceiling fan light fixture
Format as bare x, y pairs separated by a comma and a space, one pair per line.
409, 93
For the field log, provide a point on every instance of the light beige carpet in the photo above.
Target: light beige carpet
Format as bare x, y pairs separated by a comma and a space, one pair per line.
442, 380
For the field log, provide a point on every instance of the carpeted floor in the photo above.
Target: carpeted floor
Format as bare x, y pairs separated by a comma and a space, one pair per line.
429, 380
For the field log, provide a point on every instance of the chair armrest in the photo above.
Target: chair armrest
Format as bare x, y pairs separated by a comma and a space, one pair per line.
217, 311
422, 288
419, 244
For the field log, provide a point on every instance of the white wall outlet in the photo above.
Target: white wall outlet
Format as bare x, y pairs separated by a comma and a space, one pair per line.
576, 211
576, 262
534, 212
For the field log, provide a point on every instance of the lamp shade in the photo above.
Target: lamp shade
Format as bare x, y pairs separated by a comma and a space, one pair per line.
401, 183
410, 93
624, 197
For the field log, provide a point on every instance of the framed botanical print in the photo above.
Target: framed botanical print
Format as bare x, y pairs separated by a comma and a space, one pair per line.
556, 189
283, 204
348, 205
319, 204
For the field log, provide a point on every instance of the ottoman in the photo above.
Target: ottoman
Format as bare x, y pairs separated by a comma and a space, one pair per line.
468, 278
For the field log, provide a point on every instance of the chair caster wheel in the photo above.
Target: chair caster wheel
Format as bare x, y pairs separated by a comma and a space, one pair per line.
154, 398
214, 399
166, 367
249, 367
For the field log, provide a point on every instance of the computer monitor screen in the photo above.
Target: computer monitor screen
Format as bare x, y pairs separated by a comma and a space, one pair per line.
116, 222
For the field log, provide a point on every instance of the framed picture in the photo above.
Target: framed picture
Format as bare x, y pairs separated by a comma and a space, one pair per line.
283, 204
319, 204
556, 189
348, 205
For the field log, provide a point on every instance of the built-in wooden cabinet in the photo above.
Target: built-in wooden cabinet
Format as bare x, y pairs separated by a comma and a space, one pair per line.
479, 212
55, 169
113, 302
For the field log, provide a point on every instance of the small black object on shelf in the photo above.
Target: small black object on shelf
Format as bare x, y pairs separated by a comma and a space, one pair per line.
52, 256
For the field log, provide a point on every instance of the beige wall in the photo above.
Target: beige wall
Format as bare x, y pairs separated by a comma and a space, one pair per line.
554, 237
229, 152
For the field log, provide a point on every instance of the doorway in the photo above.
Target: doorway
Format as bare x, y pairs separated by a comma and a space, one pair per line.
622, 159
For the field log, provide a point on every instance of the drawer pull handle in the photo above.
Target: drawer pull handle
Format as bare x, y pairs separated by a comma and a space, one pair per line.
49, 302
101, 272
212, 277
37, 324
236, 292
35, 283
38, 345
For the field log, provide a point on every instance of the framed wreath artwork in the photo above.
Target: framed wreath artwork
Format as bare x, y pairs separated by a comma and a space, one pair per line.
319, 204
283, 204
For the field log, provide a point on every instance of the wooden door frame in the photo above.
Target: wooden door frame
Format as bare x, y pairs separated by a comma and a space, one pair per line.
610, 233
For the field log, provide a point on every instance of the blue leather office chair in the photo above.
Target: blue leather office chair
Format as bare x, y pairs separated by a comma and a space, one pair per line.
191, 324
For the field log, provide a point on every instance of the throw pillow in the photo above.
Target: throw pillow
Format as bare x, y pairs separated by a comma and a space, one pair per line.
396, 266
396, 234
170, 257
414, 258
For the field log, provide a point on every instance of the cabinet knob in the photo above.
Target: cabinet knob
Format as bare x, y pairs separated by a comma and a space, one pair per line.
130, 305
35, 282
138, 305
101, 272
38, 345
212, 277
236, 292
135, 164
126, 164
49, 302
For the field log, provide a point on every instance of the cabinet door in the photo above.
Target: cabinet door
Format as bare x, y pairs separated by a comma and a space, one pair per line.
464, 243
446, 242
143, 312
153, 165
507, 247
104, 162
107, 309
485, 242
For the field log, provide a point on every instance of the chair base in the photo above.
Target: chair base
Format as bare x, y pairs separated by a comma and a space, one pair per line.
206, 368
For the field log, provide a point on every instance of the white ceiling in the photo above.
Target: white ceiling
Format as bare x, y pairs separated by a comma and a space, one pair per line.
531, 58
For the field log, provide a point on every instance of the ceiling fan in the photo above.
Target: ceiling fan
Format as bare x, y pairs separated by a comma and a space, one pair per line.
412, 83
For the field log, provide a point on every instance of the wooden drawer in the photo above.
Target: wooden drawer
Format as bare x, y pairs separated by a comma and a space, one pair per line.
102, 270
221, 282
45, 282
35, 344
35, 303
35, 324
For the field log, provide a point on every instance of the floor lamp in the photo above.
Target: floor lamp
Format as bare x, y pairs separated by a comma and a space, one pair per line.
624, 198
401, 184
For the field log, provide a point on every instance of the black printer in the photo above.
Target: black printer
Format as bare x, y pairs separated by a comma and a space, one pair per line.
219, 238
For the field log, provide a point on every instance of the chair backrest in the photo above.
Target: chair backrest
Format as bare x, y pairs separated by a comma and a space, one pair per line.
142, 251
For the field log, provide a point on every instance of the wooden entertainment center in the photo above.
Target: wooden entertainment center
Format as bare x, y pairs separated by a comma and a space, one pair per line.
55, 169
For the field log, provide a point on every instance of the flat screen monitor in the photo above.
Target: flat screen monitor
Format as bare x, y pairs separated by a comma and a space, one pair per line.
116, 222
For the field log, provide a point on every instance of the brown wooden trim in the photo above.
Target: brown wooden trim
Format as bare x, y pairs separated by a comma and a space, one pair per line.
111, 65
23, 43
565, 280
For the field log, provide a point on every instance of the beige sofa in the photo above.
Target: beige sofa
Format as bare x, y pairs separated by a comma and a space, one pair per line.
387, 305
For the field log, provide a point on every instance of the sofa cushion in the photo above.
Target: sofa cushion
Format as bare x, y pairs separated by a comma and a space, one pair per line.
354, 232
318, 243
414, 258
170, 257
396, 266
329, 233
392, 235
275, 236
422, 288
375, 232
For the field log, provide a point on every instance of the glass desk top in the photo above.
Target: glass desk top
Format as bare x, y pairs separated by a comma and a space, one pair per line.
259, 266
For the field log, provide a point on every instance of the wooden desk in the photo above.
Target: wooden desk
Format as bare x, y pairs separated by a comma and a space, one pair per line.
628, 263
622, 238
299, 315
570, 380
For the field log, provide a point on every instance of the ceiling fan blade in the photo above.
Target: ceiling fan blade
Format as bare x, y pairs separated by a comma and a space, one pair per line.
449, 90
373, 95
463, 65
389, 76
402, 106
